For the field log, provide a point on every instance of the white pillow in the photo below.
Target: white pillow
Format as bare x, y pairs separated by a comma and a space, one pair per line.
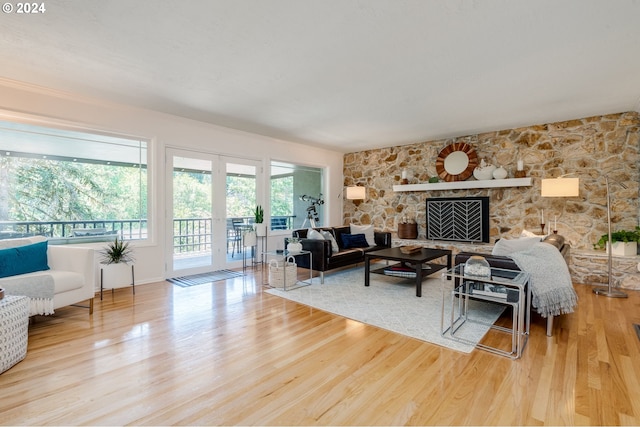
367, 230
328, 236
314, 235
509, 246
21, 241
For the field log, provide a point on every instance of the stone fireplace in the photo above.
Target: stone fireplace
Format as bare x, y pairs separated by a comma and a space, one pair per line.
591, 146
463, 219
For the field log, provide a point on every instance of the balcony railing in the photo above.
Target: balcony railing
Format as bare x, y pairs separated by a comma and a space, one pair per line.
190, 234
129, 229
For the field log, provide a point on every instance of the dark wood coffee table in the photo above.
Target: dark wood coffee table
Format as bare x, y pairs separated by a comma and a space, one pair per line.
414, 261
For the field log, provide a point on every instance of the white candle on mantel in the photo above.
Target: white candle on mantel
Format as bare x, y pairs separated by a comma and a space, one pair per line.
555, 222
404, 174
542, 216
520, 165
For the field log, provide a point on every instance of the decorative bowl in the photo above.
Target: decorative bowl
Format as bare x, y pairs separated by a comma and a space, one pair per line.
407, 250
477, 266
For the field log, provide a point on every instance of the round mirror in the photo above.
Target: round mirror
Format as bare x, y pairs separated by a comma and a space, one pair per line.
456, 162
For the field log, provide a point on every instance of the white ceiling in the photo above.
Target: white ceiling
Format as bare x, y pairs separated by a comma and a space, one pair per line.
345, 74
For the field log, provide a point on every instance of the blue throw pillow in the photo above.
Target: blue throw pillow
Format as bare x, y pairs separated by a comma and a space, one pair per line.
354, 241
23, 259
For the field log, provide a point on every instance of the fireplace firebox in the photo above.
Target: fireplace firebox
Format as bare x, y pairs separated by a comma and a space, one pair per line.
462, 219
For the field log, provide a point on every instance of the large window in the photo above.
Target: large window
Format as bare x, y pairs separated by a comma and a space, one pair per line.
71, 186
296, 196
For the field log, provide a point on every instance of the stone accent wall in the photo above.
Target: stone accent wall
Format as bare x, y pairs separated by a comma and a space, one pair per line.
591, 267
590, 147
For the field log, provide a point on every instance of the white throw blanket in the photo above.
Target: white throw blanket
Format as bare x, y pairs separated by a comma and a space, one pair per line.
551, 286
39, 289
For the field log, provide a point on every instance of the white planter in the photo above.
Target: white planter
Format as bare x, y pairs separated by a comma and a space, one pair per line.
261, 229
624, 248
249, 239
116, 275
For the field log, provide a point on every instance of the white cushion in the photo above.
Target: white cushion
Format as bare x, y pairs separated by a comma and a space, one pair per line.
367, 230
328, 236
21, 241
63, 281
509, 246
314, 234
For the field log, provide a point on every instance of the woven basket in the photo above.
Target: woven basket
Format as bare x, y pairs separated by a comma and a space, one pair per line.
407, 231
277, 272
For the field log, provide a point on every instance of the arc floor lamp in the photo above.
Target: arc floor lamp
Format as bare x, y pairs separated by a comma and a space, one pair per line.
570, 187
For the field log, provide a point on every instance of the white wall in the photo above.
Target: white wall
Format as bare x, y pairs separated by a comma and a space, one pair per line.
165, 130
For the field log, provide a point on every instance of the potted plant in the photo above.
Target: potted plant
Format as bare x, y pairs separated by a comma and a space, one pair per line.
116, 267
261, 229
116, 252
294, 245
623, 242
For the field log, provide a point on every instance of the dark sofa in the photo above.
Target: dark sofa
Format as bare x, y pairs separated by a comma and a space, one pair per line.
505, 262
325, 259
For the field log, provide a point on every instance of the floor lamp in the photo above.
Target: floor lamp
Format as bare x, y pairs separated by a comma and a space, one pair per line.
570, 187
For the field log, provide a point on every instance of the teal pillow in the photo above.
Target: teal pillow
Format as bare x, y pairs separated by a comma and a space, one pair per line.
354, 241
23, 259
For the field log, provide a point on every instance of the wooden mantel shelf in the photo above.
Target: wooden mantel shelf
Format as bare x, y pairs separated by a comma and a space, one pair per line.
463, 185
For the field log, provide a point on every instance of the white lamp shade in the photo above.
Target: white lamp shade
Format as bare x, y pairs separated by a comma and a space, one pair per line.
560, 187
356, 193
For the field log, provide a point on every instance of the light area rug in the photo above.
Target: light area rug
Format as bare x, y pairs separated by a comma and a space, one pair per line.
391, 303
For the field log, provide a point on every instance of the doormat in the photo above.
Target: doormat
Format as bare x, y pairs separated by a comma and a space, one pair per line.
201, 279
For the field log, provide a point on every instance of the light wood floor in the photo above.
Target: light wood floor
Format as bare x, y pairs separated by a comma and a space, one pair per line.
231, 354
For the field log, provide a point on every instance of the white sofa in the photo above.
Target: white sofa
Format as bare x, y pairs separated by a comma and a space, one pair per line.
71, 268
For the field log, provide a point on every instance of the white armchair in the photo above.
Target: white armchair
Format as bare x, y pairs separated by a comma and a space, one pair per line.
68, 262
72, 271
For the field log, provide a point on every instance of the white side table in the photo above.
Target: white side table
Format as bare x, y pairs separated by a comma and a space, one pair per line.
14, 330
510, 288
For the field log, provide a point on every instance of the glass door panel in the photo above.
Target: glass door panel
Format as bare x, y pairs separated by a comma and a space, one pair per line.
191, 218
241, 192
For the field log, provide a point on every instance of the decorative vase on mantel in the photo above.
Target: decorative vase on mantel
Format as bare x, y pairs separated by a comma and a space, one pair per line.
500, 173
484, 171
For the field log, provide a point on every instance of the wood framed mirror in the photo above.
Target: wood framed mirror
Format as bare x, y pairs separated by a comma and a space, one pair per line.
456, 162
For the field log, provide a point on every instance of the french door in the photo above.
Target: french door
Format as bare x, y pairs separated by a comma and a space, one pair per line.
210, 203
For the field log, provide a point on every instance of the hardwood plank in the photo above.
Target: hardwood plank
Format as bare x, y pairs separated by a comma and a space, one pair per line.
229, 353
